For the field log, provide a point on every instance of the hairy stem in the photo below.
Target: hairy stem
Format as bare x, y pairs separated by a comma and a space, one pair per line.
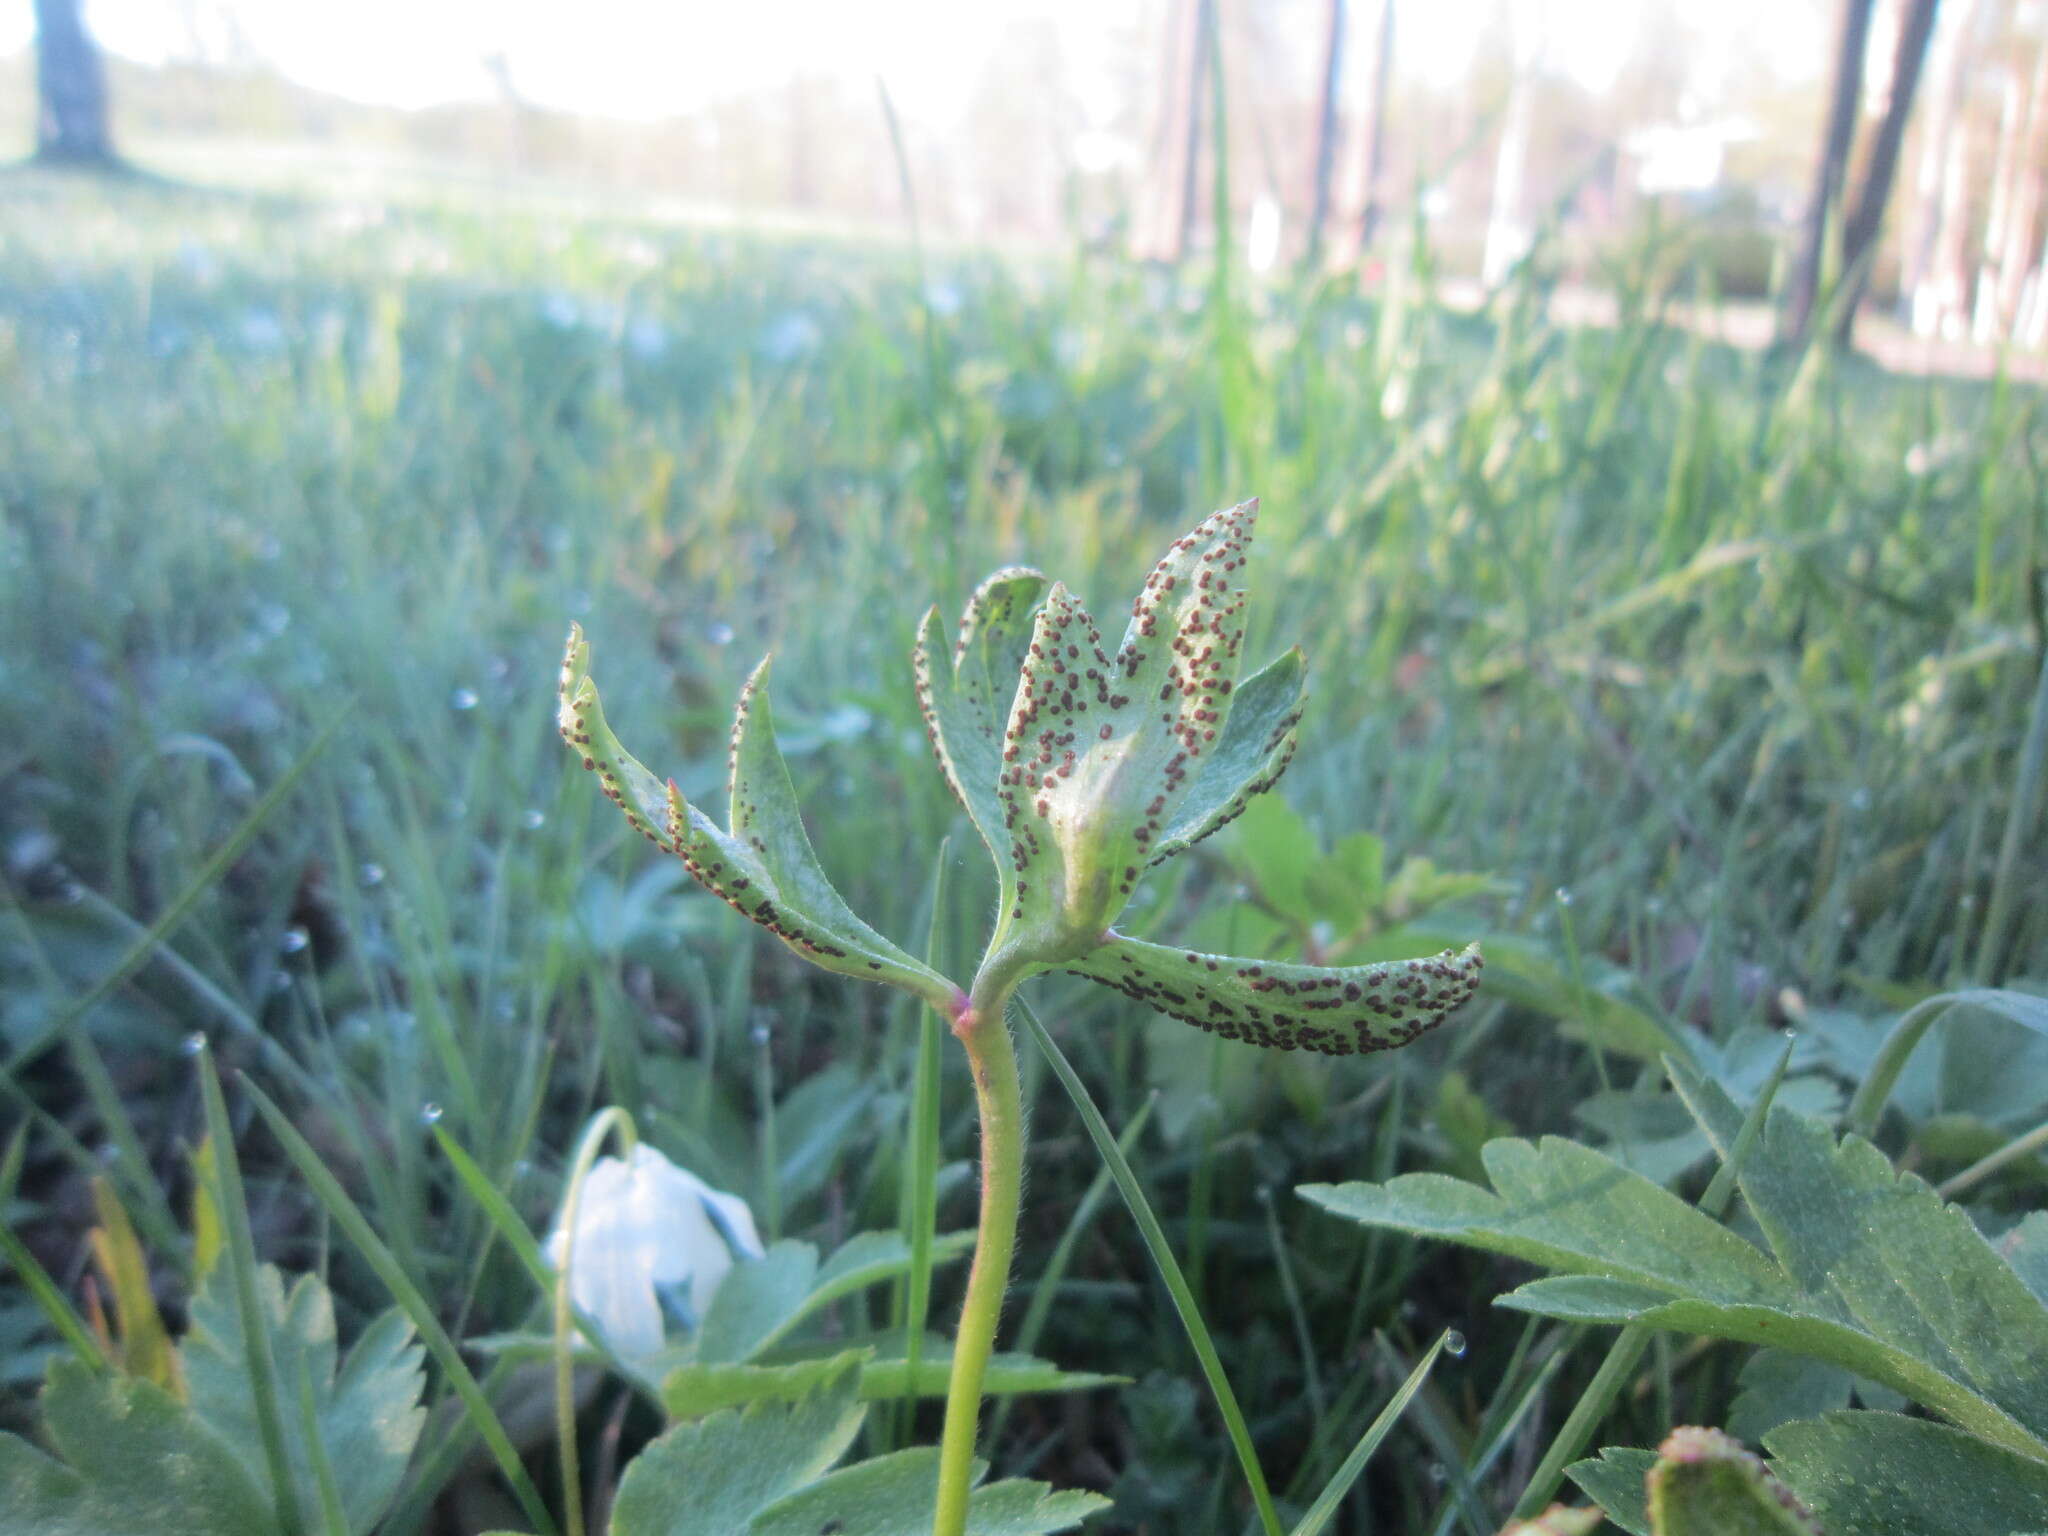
985, 1032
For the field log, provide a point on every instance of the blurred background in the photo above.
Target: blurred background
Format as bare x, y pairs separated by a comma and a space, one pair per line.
1033, 122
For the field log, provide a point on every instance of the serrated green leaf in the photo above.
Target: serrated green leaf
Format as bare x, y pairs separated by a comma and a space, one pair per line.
764, 868
1705, 1484
2026, 1249
1582, 1299
1249, 756
895, 1495
711, 1477
692, 1391
1870, 1271
1007, 1375
368, 1412
1337, 1010
1881, 1252
868, 1258
1614, 1481
136, 1462
967, 699
1880, 1472
760, 1301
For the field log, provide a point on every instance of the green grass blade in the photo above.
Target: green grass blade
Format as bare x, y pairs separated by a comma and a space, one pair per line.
416, 1307
146, 942
1320, 1513
1169, 1268
43, 1290
241, 1258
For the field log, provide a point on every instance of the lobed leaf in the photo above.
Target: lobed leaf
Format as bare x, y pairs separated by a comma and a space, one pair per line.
1874, 1472
764, 867
713, 1476
1869, 1269
895, 1495
136, 1462
965, 701
1335, 1010
367, 1414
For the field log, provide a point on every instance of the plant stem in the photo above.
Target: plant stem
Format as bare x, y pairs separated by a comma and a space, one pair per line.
985, 1032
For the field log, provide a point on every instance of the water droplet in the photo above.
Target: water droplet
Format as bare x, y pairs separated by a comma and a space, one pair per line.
293, 940
500, 668
109, 1154
1859, 799
1564, 895
71, 893
718, 632
373, 874
193, 1044
430, 1113
758, 1034
280, 981
533, 821
463, 699
1439, 1474
1454, 1343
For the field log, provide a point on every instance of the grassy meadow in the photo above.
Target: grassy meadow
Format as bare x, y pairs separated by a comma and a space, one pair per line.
1703, 685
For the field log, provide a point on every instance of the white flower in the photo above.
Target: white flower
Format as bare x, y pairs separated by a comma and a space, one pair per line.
652, 1239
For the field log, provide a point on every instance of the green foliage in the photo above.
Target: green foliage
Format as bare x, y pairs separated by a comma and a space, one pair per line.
363, 1414
138, 1459
764, 1470
1704, 1484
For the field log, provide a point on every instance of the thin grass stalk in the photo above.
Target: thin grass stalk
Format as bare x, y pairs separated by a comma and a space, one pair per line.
1169, 1269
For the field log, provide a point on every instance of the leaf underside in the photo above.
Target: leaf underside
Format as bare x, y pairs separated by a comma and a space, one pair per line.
965, 701
764, 868
1101, 753
1339, 1011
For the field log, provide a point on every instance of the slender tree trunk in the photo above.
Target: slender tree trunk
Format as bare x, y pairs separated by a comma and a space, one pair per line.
1866, 219
1830, 175
1191, 156
1920, 305
1326, 136
2005, 174
2014, 254
1373, 162
71, 88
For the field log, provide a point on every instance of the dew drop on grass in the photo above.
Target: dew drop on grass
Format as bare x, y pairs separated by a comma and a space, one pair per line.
193, 1044
1454, 1344
373, 874
463, 699
718, 632
758, 1034
1564, 895
533, 821
294, 941
430, 1113
280, 981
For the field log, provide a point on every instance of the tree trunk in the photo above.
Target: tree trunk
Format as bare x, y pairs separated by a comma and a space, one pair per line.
2014, 254
1852, 38
1859, 234
1198, 92
71, 88
1922, 303
1326, 137
1373, 162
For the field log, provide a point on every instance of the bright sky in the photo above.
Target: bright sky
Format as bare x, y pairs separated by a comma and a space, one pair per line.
648, 58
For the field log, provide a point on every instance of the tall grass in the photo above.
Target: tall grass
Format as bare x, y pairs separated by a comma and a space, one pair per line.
1744, 669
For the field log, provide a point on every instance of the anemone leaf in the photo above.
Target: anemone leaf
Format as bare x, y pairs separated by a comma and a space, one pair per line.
1335, 1010
765, 868
965, 700
1254, 749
